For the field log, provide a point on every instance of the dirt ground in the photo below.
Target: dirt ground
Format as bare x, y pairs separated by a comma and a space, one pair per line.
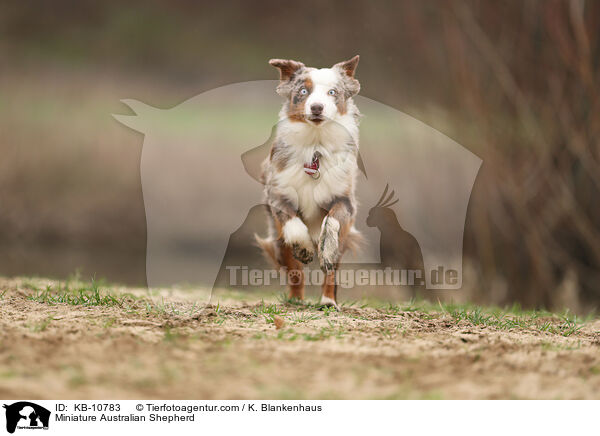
166, 345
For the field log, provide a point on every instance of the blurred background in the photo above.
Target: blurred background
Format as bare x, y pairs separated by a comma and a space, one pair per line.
517, 83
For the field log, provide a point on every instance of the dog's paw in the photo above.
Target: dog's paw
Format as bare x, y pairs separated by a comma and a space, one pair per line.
303, 254
328, 302
295, 234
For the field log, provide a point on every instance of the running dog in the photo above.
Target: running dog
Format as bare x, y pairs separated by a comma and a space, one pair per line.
310, 174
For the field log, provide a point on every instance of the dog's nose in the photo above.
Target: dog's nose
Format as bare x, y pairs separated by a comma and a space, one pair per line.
316, 109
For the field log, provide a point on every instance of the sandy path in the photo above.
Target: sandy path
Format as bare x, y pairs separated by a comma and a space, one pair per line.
234, 350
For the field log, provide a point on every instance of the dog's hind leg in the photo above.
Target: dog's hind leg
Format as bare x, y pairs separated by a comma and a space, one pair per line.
294, 269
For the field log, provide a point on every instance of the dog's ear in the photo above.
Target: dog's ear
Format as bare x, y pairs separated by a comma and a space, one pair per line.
287, 68
350, 84
348, 66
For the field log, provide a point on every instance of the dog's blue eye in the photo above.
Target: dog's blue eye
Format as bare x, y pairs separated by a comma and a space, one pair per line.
331, 92
303, 91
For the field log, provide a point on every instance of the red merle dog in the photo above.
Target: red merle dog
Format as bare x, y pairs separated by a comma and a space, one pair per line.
310, 174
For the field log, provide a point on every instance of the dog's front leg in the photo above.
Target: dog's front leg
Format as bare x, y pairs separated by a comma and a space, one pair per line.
334, 228
292, 231
329, 244
335, 225
296, 235
329, 254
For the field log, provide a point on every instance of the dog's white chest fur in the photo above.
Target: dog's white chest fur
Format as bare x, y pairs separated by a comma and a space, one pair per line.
337, 148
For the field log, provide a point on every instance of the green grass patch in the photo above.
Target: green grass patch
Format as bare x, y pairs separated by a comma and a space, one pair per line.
41, 325
268, 311
303, 317
543, 321
85, 295
507, 318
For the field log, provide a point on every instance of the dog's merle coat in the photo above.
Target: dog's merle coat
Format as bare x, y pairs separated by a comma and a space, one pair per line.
318, 123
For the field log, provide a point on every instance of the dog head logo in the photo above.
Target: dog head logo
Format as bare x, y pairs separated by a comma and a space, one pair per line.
198, 193
26, 415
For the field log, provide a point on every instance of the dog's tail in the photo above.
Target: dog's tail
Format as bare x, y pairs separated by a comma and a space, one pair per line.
269, 248
353, 240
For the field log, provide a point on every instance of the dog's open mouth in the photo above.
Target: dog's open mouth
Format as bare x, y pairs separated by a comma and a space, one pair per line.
317, 119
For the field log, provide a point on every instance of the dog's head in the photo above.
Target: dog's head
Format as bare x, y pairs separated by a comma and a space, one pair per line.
316, 95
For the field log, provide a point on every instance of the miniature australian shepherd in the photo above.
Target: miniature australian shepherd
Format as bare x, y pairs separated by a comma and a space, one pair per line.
310, 174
